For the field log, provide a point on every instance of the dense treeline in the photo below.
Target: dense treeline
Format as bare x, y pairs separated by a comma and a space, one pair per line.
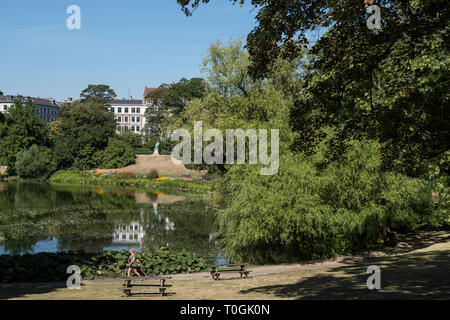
83, 137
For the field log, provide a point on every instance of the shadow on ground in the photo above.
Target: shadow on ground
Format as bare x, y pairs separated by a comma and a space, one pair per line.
14, 291
419, 275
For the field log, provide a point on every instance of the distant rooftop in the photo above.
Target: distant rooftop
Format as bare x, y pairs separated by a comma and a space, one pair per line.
125, 102
37, 101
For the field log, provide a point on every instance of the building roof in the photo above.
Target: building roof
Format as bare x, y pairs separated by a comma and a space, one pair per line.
36, 101
125, 102
6, 98
44, 102
148, 90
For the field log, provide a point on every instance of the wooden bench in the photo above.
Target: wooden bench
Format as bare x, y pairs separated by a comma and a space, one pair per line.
128, 287
217, 269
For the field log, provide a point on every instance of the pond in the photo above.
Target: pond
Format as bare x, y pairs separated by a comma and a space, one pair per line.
52, 218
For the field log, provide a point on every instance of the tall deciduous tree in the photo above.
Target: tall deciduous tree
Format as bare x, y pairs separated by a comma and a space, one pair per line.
86, 127
389, 84
20, 129
99, 93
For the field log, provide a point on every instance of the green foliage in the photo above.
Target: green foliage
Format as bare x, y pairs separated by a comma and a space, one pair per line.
153, 175
21, 129
43, 267
308, 211
389, 84
132, 139
85, 128
117, 154
174, 98
35, 163
125, 179
62, 155
98, 94
234, 100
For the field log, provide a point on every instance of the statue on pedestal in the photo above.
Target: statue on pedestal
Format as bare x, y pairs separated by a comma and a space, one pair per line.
156, 148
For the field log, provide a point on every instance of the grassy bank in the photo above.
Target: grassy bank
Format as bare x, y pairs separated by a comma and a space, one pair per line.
99, 178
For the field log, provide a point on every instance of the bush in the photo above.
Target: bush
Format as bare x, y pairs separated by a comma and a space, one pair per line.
307, 213
34, 163
118, 154
153, 175
62, 154
132, 139
43, 267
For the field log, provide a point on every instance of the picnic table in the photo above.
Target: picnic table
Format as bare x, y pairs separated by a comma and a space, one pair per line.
217, 269
128, 286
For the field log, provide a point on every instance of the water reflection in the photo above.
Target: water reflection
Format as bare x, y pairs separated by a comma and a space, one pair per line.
49, 218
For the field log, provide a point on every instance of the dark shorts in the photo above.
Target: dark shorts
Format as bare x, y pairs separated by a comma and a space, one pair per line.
134, 267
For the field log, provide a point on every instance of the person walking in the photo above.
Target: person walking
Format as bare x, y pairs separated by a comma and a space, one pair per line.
133, 264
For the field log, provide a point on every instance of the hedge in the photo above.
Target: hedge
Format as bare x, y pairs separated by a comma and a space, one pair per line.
47, 267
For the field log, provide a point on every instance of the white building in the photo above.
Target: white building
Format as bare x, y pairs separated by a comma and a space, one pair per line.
130, 114
46, 109
131, 234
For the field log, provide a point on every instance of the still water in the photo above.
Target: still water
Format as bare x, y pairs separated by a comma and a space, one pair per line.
51, 218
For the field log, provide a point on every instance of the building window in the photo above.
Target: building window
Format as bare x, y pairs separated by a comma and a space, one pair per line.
119, 119
138, 128
132, 128
138, 119
126, 110
133, 110
133, 119
138, 110
126, 119
119, 110
5, 107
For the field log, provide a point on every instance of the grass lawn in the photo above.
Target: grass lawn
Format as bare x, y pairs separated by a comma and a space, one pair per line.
417, 271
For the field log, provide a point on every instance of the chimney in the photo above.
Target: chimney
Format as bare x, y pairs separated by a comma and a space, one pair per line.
131, 97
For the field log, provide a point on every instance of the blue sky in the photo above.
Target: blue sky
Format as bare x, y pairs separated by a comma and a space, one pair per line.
125, 44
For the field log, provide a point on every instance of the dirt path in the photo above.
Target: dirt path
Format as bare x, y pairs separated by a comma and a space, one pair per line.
161, 163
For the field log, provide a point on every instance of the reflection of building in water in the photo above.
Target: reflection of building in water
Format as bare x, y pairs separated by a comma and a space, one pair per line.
132, 233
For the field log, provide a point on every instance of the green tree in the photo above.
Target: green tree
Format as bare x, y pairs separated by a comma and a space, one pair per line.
86, 127
234, 100
99, 93
173, 98
35, 163
117, 154
132, 139
389, 84
170, 100
20, 129
305, 213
